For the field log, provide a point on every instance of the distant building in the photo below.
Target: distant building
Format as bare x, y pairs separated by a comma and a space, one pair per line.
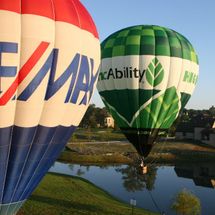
185, 130
204, 131
109, 122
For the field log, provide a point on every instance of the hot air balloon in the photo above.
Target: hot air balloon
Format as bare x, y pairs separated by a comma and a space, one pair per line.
147, 76
49, 59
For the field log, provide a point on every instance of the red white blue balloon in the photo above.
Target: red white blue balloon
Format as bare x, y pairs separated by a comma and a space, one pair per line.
49, 58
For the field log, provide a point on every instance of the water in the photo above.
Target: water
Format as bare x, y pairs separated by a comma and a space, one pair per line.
153, 191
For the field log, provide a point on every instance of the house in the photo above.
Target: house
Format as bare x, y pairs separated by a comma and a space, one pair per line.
185, 130
202, 130
109, 122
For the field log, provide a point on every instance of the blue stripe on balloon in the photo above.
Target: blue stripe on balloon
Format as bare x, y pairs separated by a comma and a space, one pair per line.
8, 47
28, 163
5, 137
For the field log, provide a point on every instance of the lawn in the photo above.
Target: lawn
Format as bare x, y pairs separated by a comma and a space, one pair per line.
124, 152
96, 134
65, 195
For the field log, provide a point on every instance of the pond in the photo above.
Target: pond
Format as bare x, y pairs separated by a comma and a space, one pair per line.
153, 191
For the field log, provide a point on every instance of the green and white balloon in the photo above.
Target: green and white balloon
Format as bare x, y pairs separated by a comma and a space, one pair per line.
148, 73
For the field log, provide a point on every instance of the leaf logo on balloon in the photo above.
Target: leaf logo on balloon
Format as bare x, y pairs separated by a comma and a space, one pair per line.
155, 73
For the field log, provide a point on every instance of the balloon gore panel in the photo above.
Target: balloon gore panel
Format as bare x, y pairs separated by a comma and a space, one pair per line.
26, 157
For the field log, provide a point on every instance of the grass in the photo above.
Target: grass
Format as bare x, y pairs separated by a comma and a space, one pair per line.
178, 151
124, 152
107, 152
73, 157
65, 195
90, 135
79, 151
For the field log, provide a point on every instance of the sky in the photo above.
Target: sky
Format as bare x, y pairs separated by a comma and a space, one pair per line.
195, 19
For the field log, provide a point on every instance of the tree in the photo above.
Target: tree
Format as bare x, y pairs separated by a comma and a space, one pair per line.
93, 117
100, 115
212, 111
186, 203
134, 180
88, 119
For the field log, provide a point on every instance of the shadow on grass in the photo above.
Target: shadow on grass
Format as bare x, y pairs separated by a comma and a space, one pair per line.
64, 203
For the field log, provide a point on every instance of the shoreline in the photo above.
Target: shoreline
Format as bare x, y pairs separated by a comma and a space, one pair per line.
63, 194
117, 152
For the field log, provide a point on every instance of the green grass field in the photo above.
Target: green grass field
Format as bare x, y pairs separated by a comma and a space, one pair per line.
65, 195
96, 134
124, 152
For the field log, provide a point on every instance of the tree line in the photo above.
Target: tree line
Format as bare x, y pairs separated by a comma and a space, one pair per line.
95, 117
194, 118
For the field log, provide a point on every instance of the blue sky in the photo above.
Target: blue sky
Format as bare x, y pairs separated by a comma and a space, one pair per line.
195, 19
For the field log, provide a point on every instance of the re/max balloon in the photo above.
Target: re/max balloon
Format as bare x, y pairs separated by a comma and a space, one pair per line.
147, 76
49, 59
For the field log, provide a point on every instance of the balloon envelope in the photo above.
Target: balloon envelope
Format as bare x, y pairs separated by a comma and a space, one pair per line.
49, 58
147, 76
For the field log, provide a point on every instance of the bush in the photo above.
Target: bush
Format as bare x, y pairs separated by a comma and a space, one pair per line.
186, 203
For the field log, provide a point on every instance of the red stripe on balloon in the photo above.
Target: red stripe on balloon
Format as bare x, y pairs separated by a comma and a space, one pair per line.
38, 7
70, 11
14, 5
24, 71
87, 22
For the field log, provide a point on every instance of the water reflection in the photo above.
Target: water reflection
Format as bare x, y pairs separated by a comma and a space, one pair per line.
202, 174
154, 190
134, 180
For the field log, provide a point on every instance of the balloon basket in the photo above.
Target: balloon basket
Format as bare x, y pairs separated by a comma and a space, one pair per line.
143, 170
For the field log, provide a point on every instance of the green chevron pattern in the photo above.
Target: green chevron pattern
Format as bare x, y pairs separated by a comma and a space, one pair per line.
159, 113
